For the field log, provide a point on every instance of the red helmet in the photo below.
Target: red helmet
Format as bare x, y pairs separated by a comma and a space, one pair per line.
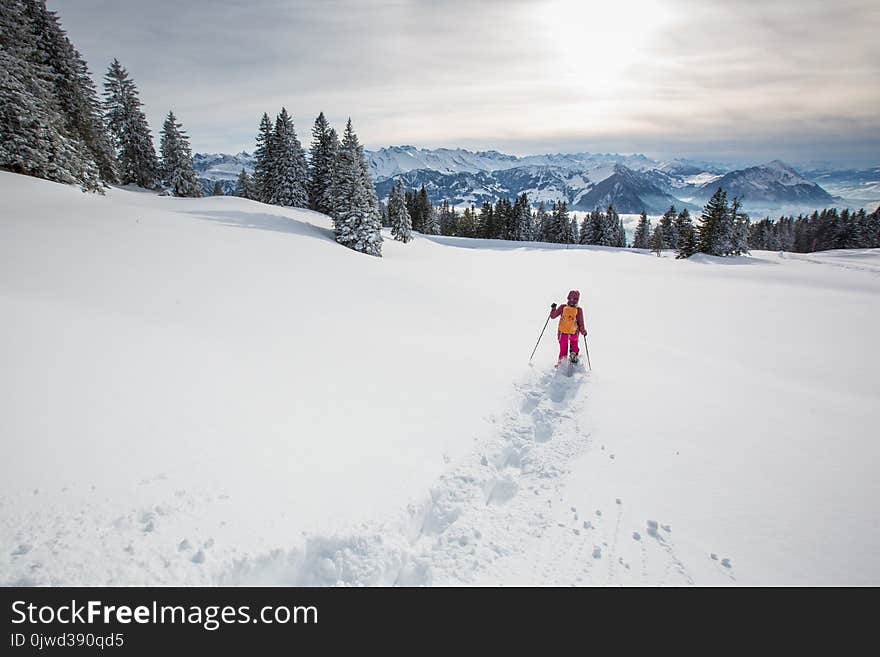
574, 296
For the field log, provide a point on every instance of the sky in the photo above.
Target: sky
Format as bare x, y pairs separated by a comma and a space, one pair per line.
740, 82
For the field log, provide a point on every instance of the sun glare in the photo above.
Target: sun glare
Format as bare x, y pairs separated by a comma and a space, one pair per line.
592, 44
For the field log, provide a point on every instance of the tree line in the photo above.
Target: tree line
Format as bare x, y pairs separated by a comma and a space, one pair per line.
820, 231
506, 219
722, 229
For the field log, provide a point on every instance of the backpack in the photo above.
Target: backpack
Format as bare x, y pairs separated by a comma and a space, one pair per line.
568, 322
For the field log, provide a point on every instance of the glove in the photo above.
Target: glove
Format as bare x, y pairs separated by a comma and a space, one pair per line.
552, 306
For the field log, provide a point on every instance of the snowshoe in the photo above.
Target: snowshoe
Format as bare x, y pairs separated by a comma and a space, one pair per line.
573, 359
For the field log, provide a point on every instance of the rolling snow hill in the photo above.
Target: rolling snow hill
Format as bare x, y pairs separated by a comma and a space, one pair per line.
213, 391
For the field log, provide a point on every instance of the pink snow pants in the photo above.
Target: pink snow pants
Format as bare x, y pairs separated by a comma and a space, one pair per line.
564, 341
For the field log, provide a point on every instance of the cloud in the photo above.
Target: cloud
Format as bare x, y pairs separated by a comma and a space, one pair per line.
794, 77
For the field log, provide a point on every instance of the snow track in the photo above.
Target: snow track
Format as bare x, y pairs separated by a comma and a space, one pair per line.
481, 511
497, 517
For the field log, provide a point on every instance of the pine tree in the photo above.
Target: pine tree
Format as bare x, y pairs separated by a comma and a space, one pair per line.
585, 234
740, 234
356, 218
398, 217
264, 173
467, 227
616, 229
607, 228
643, 232
176, 167
687, 241
218, 189
129, 129
322, 155
49, 124
486, 221
667, 225
244, 186
446, 218
657, 239
424, 212
713, 233
562, 233
431, 225
289, 169
32, 133
542, 223
680, 225
76, 92
522, 219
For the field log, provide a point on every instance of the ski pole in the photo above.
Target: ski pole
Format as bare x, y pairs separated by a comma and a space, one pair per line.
539, 338
587, 349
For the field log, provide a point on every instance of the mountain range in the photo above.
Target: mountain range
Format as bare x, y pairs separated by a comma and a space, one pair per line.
631, 183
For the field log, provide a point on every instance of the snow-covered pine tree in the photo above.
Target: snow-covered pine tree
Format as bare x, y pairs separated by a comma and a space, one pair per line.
871, 229
667, 225
289, 168
562, 223
681, 224
356, 217
129, 129
370, 188
687, 241
244, 186
31, 125
177, 164
263, 161
431, 224
618, 233
75, 91
38, 130
322, 155
642, 233
607, 234
657, 239
585, 234
218, 189
712, 233
542, 224
522, 224
740, 221
398, 216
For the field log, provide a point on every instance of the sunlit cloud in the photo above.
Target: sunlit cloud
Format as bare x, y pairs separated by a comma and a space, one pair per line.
741, 81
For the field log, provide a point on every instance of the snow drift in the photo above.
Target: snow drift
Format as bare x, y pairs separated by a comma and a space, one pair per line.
214, 391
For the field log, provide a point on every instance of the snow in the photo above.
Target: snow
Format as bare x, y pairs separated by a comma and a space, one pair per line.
211, 391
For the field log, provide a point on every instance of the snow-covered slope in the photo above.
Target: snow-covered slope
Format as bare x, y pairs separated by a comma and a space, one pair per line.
213, 391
